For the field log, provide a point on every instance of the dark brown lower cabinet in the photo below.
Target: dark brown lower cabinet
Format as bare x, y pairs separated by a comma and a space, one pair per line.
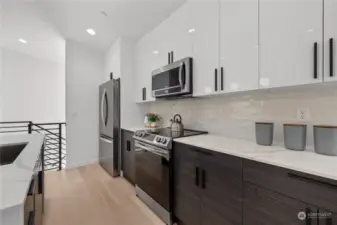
128, 156
187, 199
327, 217
208, 187
212, 188
264, 207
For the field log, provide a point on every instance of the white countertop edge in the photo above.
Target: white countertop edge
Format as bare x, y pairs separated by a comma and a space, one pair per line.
15, 178
306, 161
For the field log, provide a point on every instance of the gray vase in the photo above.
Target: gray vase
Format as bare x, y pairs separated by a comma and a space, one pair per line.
325, 140
295, 136
264, 133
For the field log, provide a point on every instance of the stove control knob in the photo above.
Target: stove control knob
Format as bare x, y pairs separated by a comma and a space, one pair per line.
158, 139
164, 141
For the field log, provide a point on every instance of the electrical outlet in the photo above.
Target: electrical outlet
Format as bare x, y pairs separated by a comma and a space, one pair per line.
303, 114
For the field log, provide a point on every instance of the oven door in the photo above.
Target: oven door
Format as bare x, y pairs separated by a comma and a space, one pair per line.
152, 172
173, 79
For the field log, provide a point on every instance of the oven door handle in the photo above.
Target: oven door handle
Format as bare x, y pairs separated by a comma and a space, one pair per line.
141, 147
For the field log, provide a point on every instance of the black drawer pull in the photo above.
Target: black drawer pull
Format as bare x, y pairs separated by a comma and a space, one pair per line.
307, 179
197, 176
169, 58
203, 179
331, 57
172, 57
128, 145
315, 60
31, 219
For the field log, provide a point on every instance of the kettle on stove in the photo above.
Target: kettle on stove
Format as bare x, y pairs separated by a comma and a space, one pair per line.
177, 126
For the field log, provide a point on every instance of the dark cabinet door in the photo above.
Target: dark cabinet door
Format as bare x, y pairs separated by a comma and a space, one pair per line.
264, 207
128, 157
187, 200
327, 217
221, 180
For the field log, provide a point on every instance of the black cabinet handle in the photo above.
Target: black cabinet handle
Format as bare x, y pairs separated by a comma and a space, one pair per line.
222, 80
216, 79
172, 58
169, 58
315, 60
31, 187
307, 219
144, 94
308, 179
197, 176
128, 145
331, 57
31, 218
203, 179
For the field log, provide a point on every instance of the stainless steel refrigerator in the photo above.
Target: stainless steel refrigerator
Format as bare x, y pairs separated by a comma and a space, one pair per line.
109, 126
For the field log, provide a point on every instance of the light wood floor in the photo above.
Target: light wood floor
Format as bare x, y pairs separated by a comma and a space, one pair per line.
89, 196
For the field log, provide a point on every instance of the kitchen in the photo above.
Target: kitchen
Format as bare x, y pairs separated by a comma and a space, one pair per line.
243, 73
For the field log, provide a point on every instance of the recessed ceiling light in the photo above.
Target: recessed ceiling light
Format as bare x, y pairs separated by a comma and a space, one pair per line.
22, 40
155, 52
192, 30
91, 31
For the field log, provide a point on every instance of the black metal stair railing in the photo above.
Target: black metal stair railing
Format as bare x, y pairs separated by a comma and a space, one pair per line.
55, 143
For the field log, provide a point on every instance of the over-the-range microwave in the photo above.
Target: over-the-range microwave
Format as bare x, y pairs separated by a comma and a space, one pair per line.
175, 79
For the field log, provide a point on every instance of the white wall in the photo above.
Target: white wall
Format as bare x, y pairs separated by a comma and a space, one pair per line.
113, 60
84, 74
1, 78
32, 88
119, 59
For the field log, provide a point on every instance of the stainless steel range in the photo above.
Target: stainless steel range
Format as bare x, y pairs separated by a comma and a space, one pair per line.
154, 168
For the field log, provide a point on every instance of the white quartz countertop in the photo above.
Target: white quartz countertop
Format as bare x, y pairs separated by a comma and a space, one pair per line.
303, 161
15, 178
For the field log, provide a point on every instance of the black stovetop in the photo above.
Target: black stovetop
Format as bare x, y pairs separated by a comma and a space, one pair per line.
167, 132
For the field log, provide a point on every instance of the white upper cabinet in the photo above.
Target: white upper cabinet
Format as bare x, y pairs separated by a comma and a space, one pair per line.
172, 36
182, 45
239, 53
203, 32
144, 58
291, 45
330, 42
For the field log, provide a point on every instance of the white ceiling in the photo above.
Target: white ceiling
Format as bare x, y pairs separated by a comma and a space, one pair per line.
25, 21
45, 23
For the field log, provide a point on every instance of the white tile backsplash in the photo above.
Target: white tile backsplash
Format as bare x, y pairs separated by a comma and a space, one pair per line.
234, 115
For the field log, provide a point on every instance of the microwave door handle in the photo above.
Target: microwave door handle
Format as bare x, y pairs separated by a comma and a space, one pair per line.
182, 76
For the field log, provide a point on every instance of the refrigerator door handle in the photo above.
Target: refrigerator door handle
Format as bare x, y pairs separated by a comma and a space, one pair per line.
102, 107
107, 109
106, 140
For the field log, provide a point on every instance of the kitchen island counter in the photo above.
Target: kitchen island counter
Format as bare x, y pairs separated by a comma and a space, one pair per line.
15, 178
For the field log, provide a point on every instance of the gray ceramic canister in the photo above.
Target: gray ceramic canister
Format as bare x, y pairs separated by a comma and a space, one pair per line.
325, 140
264, 133
295, 136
